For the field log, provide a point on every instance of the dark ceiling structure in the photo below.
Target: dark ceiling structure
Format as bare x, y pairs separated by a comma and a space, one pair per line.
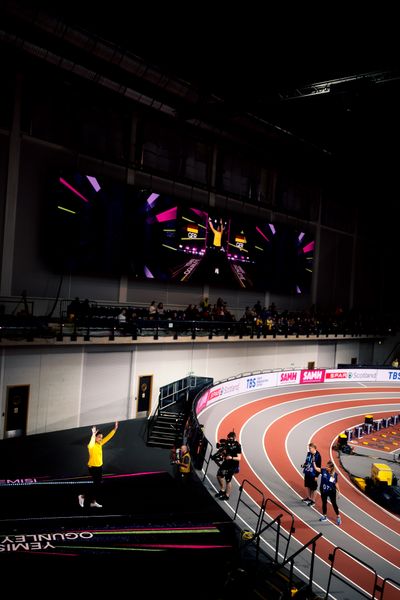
235, 80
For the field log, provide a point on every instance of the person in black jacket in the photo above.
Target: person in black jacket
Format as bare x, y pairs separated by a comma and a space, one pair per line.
311, 468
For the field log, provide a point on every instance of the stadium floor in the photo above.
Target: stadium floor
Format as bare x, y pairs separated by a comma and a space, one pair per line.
152, 533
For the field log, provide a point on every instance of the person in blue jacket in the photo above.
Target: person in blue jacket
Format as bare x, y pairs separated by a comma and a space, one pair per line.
329, 488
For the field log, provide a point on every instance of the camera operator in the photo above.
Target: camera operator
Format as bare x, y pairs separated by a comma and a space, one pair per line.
230, 452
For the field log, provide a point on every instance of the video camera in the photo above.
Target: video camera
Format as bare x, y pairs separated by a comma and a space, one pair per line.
224, 449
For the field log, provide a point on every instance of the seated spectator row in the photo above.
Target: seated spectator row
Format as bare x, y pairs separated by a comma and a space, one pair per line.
92, 318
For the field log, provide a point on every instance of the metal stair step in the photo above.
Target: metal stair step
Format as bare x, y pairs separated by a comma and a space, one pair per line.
161, 444
174, 417
163, 434
164, 427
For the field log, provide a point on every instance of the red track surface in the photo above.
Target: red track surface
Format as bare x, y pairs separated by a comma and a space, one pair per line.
276, 451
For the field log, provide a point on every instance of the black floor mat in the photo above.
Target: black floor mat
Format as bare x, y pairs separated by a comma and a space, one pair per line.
153, 533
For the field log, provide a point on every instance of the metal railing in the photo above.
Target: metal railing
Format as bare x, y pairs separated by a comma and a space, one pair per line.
334, 574
258, 514
280, 533
388, 581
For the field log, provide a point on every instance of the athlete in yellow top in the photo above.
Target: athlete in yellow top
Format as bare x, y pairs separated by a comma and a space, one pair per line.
217, 233
95, 462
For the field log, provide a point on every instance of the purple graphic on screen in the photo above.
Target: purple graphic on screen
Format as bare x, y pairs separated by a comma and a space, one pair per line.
152, 198
94, 183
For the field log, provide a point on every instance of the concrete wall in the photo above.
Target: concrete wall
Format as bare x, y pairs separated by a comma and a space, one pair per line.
81, 385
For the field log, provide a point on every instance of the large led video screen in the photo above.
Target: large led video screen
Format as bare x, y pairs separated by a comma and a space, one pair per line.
104, 228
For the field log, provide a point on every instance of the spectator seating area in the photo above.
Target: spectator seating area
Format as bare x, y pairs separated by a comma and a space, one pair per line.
90, 319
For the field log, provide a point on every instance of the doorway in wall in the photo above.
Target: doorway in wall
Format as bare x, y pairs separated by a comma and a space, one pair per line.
144, 395
16, 410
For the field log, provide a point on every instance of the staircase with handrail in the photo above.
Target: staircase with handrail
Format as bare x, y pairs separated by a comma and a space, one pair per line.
166, 425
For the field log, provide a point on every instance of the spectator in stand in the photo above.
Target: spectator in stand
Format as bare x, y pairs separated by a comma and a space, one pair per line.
152, 310
269, 324
216, 312
204, 305
191, 313
160, 310
395, 363
249, 314
228, 315
122, 320
257, 308
205, 309
74, 309
220, 302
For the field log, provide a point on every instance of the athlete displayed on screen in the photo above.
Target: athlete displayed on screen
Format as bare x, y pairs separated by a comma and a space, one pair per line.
98, 226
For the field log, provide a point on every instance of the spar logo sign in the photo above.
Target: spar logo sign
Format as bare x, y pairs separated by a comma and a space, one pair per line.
312, 376
336, 375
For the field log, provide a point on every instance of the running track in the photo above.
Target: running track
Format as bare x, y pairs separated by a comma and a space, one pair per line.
274, 431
